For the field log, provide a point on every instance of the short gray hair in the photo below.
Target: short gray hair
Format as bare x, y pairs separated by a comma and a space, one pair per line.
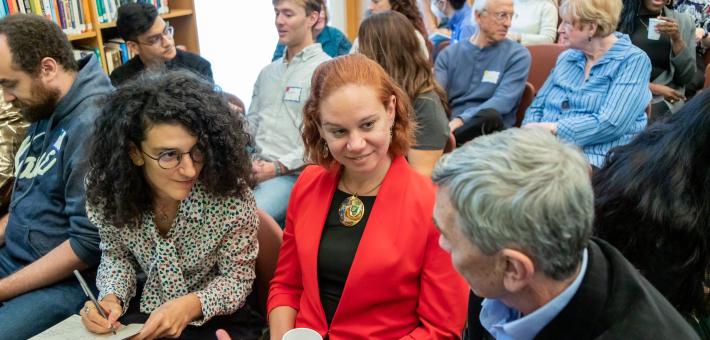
479, 6
522, 189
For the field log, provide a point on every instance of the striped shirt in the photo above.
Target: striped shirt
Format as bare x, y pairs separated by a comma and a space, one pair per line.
605, 111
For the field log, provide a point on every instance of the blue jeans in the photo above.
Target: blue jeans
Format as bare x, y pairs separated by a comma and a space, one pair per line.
272, 196
31, 313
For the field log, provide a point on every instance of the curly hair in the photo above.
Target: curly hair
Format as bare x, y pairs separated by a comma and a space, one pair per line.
653, 203
388, 38
410, 10
173, 97
32, 38
359, 70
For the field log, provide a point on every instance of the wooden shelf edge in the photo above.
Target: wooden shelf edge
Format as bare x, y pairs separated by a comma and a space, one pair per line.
85, 35
175, 13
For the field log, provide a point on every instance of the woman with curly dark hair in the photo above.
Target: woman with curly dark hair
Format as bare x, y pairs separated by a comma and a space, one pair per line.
168, 189
653, 204
411, 11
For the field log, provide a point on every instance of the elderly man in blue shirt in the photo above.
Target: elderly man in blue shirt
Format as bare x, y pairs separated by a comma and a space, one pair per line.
485, 75
515, 211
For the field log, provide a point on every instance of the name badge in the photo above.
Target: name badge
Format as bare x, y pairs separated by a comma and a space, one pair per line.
490, 77
293, 94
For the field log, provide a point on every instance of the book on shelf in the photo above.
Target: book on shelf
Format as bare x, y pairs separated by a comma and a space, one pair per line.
71, 15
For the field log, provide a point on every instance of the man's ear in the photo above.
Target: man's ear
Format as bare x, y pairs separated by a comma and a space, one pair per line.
133, 47
312, 19
519, 270
135, 155
48, 69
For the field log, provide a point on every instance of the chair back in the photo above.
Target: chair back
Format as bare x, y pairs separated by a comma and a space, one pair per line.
270, 237
543, 60
525, 101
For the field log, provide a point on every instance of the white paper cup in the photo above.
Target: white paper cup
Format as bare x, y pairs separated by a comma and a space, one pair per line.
652, 34
301, 334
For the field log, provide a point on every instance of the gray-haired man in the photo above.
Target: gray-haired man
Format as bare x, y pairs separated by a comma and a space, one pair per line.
515, 211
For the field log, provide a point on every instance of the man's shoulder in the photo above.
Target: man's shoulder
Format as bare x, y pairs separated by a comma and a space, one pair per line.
126, 71
190, 58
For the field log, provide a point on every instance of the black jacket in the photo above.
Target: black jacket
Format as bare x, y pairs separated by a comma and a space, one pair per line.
613, 302
182, 60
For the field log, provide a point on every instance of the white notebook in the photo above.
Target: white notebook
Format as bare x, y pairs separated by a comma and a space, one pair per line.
73, 329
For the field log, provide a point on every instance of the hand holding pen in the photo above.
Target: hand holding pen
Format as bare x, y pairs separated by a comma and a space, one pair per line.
99, 317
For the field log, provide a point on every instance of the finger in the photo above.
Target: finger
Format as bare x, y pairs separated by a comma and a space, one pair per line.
94, 322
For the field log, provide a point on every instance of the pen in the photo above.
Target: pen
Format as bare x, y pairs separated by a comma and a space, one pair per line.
88, 293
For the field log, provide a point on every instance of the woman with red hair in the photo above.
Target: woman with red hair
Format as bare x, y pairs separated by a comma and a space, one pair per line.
360, 257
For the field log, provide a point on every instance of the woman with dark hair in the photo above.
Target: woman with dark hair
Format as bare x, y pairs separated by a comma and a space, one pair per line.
671, 50
360, 257
168, 189
410, 10
653, 204
388, 38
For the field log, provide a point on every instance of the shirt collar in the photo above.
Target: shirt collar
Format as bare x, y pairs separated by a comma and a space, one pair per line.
615, 52
506, 323
305, 54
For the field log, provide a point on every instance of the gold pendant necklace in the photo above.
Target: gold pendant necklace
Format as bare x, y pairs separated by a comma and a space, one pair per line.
352, 209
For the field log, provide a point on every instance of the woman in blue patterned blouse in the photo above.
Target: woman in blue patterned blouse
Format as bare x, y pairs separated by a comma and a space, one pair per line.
597, 93
168, 189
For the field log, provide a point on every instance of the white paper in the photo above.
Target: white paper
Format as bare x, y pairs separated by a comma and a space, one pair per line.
72, 328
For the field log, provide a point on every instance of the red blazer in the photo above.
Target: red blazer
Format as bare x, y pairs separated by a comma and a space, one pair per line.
401, 283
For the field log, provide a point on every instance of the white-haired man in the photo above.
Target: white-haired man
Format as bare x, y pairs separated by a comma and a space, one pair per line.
484, 75
515, 211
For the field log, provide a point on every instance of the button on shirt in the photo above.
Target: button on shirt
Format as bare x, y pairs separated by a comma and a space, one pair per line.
276, 112
505, 323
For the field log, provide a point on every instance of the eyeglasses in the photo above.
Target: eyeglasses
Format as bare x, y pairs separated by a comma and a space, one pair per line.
503, 16
158, 38
170, 159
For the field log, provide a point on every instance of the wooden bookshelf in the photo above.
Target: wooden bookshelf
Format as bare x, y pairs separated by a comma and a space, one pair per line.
181, 16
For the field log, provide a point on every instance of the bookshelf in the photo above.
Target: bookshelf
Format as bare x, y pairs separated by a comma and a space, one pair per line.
181, 16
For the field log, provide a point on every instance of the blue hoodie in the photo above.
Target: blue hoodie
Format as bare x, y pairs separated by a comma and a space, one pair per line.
47, 205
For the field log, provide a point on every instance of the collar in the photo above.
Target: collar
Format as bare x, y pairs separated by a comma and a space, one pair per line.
305, 54
506, 323
618, 51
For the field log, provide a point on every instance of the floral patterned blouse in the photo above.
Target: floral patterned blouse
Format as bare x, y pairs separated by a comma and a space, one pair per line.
210, 250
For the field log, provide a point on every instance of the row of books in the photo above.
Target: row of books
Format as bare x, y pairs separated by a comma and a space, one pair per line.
108, 9
71, 15
117, 53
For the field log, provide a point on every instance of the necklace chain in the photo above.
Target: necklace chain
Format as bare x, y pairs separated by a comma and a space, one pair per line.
364, 193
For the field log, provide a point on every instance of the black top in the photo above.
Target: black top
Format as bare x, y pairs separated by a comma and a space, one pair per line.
659, 51
336, 252
182, 60
613, 302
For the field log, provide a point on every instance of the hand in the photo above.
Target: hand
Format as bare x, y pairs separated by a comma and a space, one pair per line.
263, 170
455, 124
699, 33
669, 27
552, 127
3, 224
94, 322
669, 93
222, 335
171, 318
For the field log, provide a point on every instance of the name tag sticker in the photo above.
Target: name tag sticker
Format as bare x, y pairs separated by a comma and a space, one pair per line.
490, 77
293, 94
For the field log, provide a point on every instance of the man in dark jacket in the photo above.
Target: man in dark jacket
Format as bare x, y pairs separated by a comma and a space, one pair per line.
47, 233
515, 211
151, 38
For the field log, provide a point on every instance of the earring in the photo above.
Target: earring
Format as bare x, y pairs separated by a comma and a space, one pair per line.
138, 162
326, 151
